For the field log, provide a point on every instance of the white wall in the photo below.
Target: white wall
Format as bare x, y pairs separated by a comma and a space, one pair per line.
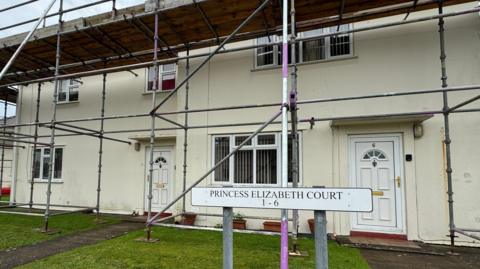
395, 59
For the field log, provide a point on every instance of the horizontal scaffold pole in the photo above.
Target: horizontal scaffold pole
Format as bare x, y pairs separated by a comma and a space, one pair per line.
77, 127
170, 121
25, 40
53, 14
471, 100
187, 190
465, 233
19, 5
210, 56
23, 141
308, 101
226, 125
175, 59
87, 134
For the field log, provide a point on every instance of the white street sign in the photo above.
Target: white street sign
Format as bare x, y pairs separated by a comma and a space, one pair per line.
330, 199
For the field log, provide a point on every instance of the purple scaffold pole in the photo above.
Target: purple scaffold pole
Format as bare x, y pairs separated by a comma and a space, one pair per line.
284, 217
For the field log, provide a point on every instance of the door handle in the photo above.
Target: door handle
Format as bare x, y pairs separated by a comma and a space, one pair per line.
398, 181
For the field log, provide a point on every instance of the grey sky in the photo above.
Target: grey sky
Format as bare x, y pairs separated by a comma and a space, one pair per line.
34, 10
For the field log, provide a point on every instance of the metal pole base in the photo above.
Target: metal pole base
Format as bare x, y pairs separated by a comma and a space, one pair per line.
149, 238
47, 231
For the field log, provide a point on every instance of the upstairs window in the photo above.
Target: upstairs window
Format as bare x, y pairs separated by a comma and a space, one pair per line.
41, 163
257, 162
68, 91
166, 76
265, 55
319, 49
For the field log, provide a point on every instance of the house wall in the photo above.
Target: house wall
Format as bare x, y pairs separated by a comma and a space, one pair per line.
7, 156
7, 168
396, 59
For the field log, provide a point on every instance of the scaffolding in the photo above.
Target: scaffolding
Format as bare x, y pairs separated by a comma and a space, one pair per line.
169, 53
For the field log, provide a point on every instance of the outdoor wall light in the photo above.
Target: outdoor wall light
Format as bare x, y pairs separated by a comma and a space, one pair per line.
418, 130
136, 146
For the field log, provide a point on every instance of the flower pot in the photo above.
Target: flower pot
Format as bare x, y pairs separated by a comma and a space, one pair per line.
273, 226
240, 224
311, 224
188, 219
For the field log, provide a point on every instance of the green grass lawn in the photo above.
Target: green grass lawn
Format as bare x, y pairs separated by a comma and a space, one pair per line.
193, 249
16, 230
5, 198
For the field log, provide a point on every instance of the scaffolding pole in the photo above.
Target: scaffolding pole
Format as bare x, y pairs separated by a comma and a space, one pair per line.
5, 104
446, 121
100, 145
185, 131
152, 220
307, 120
300, 102
93, 133
54, 118
210, 55
294, 119
18, 5
307, 101
54, 14
152, 130
284, 162
35, 140
175, 59
23, 141
25, 40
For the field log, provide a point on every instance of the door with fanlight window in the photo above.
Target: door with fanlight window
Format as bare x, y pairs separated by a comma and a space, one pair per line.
162, 177
375, 163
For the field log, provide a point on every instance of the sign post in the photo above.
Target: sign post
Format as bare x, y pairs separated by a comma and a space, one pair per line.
228, 238
321, 246
319, 200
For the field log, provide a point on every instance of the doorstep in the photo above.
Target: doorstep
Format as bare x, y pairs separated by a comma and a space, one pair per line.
376, 243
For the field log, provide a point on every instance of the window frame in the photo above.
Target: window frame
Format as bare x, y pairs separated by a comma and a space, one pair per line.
254, 146
161, 73
327, 49
275, 53
72, 83
40, 179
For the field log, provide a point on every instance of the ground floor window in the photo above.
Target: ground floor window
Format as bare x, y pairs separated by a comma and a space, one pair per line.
41, 162
258, 162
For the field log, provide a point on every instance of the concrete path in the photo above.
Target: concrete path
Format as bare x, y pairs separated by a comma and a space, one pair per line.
27, 254
464, 258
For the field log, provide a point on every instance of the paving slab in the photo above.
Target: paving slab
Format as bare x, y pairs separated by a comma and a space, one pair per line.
464, 258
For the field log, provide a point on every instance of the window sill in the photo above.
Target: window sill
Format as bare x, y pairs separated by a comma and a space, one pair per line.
158, 92
239, 185
67, 103
56, 181
342, 58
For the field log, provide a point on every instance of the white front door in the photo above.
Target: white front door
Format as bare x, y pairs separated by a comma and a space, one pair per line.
376, 163
162, 177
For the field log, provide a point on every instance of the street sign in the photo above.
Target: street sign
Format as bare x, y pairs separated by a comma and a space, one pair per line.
329, 199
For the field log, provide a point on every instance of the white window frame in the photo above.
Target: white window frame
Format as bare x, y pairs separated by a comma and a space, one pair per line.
274, 38
72, 84
42, 155
256, 147
277, 49
160, 74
